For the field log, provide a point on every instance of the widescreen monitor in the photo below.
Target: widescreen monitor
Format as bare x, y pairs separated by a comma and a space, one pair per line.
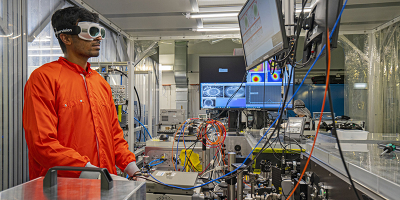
261, 88
262, 30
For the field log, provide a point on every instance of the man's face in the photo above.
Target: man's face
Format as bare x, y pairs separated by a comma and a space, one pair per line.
86, 48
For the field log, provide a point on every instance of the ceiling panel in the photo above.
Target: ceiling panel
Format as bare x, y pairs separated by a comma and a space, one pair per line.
219, 2
155, 18
178, 33
359, 27
167, 59
139, 6
155, 22
370, 14
220, 19
163, 33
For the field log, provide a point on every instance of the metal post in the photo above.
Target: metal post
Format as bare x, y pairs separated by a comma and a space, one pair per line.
253, 188
252, 183
231, 187
151, 104
131, 115
204, 152
288, 8
240, 186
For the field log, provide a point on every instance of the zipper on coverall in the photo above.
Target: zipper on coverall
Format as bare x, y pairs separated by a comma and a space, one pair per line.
87, 93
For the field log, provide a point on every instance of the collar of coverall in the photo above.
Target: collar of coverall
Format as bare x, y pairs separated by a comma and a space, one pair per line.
76, 67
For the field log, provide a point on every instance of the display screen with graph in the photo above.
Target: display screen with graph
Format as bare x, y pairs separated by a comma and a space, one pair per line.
262, 30
261, 89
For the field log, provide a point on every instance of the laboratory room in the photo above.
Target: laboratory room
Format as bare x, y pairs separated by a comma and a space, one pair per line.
200, 99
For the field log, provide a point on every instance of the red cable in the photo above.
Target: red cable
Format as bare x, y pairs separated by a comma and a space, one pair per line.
320, 117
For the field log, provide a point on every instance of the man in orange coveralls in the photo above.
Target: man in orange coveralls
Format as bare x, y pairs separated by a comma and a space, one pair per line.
69, 115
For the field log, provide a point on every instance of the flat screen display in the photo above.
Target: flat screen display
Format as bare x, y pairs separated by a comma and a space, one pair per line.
262, 30
221, 69
261, 89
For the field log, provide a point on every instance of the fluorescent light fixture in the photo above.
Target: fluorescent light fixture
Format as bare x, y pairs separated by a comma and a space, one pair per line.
306, 10
216, 29
166, 67
220, 26
44, 48
221, 9
211, 15
360, 86
46, 55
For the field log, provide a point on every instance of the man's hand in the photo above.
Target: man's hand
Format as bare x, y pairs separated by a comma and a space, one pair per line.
90, 175
131, 169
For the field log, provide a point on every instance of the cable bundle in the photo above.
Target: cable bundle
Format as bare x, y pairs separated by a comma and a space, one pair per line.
212, 131
203, 131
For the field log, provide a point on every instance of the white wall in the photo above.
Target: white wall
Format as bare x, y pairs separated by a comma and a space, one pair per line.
167, 93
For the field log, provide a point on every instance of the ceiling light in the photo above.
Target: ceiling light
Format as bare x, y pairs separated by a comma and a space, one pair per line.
306, 10
221, 9
44, 48
216, 29
211, 15
360, 86
46, 55
166, 67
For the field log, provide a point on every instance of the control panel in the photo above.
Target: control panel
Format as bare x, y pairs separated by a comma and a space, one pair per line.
119, 94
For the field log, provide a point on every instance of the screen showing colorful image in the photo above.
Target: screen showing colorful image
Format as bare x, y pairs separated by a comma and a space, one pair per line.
261, 89
257, 77
274, 76
259, 68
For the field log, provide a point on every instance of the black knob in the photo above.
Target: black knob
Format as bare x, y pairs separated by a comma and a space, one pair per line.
238, 148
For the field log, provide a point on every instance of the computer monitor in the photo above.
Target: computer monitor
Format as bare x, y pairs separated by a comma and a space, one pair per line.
221, 69
316, 27
261, 88
262, 30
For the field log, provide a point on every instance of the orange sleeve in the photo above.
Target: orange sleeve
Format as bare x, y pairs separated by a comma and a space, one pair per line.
40, 123
122, 154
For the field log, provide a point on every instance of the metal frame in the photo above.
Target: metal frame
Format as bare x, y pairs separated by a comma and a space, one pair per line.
344, 178
151, 106
131, 115
131, 96
13, 159
103, 20
39, 28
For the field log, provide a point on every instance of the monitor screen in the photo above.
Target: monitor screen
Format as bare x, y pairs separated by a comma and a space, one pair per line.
262, 30
261, 89
221, 69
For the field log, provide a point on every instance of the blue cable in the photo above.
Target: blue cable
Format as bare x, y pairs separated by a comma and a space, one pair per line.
140, 132
177, 145
143, 127
156, 163
315, 61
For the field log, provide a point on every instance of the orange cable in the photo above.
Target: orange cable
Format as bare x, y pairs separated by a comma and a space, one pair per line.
320, 117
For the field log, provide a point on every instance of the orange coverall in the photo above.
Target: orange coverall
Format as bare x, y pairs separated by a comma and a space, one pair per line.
70, 119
